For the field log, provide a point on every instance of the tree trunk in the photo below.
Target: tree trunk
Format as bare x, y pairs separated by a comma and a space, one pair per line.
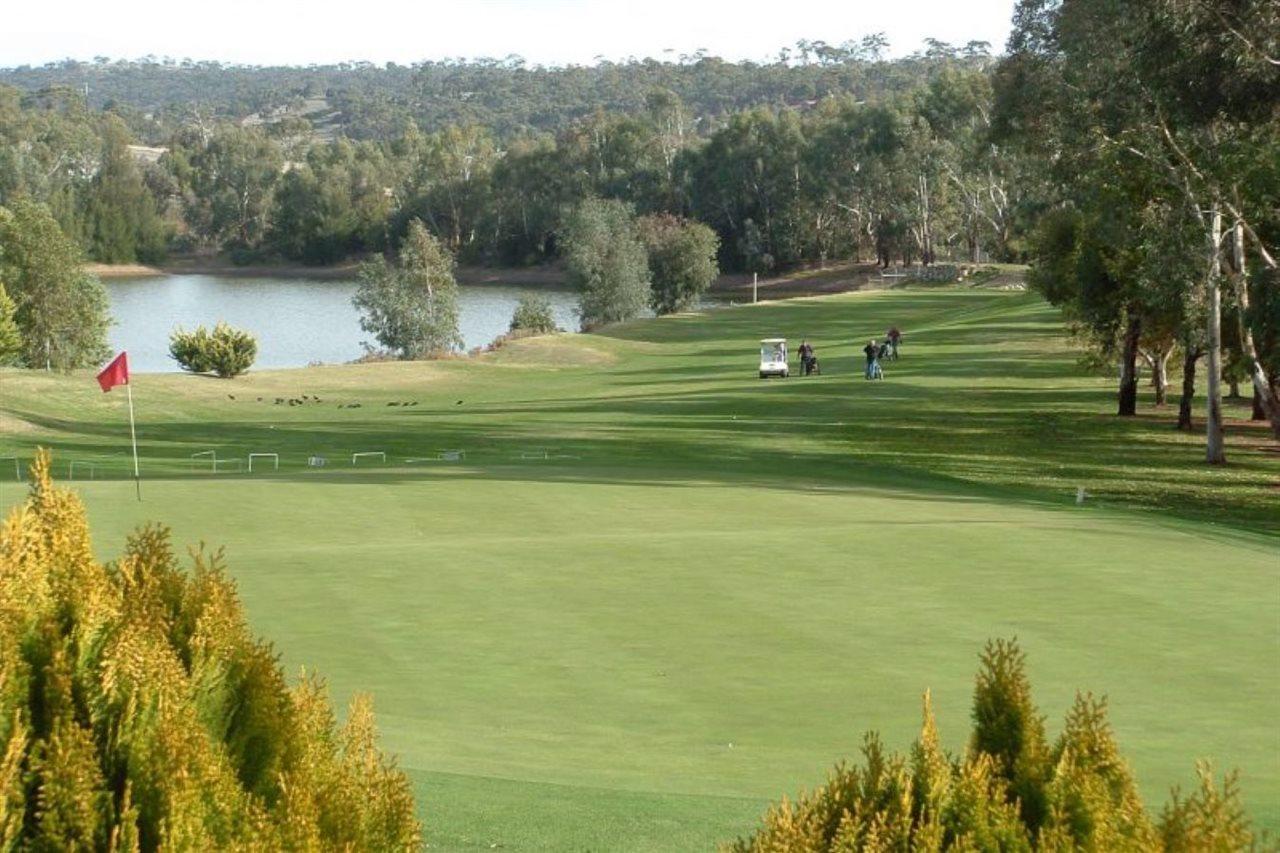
1129, 369
1258, 414
1215, 453
1160, 375
1189, 358
1158, 361
1263, 398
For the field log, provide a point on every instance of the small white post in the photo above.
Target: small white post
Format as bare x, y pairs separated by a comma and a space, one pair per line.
755, 287
133, 436
1079, 495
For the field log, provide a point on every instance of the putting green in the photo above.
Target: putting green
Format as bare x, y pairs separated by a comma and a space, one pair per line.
720, 583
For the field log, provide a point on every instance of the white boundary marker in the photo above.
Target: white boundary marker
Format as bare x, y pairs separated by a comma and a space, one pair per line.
71, 469
543, 455
239, 463
451, 455
17, 468
274, 457
213, 458
380, 454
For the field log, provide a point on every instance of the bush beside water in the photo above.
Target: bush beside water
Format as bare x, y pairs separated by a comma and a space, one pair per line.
225, 351
533, 316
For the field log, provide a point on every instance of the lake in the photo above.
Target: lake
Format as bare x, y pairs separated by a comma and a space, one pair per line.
296, 321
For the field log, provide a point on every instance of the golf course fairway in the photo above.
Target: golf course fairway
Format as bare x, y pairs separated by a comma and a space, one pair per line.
658, 592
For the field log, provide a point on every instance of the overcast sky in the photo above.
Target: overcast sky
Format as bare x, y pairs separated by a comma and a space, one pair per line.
550, 32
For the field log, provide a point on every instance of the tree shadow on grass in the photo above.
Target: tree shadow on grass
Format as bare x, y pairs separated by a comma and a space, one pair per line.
950, 452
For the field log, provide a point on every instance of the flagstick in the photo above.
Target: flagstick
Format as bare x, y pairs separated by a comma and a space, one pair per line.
137, 475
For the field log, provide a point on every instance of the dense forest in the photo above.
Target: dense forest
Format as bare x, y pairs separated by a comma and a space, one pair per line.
366, 101
829, 152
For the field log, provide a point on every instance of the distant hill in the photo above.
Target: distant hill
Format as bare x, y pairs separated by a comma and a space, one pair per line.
364, 101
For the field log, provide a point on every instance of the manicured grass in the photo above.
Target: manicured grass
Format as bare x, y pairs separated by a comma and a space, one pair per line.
722, 582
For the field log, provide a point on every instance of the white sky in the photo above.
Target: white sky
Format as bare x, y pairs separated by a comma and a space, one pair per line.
553, 32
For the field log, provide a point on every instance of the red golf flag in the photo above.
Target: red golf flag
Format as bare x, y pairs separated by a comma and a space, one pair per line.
115, 373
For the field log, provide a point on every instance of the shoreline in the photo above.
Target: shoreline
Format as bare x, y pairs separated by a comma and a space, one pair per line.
348, 270
834, 277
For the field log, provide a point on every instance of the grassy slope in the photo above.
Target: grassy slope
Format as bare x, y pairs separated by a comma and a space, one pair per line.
562, 651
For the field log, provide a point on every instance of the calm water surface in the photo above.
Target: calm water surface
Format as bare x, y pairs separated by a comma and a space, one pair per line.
296, 321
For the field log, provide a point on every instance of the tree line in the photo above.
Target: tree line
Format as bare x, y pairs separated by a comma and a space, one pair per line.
361, 100
907, 179
1158, 129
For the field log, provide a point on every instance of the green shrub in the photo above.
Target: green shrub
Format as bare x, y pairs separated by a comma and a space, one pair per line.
225, 351
138, 711
1010, 790
533, 317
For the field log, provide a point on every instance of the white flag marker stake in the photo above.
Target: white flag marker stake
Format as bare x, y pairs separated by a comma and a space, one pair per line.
133, 436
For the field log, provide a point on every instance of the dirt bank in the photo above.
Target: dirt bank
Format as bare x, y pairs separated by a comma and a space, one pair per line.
831, 278
122, 270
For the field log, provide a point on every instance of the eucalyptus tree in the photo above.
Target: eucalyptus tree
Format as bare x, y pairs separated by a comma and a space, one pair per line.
227, 181
682, 260
856, 152
334, 203
60, 310
411, 308
531, 190
450, 184
606, 261
747, 183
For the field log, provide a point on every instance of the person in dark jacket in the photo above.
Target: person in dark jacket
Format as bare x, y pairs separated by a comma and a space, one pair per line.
806, 358
893, 337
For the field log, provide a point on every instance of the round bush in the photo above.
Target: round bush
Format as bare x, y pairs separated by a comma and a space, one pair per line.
533, 317
225, 351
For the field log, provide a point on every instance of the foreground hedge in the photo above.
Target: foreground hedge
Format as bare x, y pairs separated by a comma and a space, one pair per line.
1011, 789
137, 711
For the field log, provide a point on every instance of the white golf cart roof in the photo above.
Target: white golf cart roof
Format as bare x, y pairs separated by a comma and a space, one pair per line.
773, 340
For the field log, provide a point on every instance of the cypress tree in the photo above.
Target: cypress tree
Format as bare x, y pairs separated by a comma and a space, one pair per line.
1007, 726
10, 337
137, 711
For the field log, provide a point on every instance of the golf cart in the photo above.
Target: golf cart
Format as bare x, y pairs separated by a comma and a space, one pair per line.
773, 358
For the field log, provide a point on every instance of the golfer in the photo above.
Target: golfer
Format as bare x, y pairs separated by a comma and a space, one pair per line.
872, 352
893, 336
806, 358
